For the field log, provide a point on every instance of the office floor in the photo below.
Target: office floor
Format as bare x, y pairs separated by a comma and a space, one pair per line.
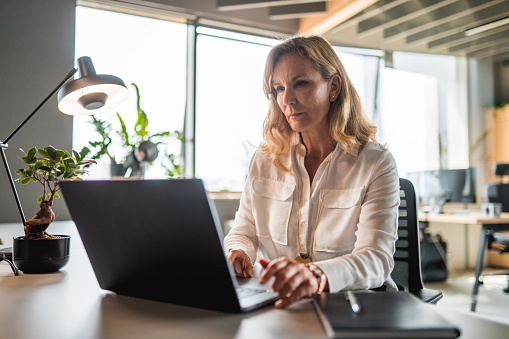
492, 303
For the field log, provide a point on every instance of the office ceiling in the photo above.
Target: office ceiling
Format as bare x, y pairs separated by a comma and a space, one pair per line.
425, 26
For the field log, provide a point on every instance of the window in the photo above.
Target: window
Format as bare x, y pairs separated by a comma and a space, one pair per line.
148, 52
451, 103
230, 106
362, 69
409, 119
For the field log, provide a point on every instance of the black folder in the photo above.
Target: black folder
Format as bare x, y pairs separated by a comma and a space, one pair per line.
382, 315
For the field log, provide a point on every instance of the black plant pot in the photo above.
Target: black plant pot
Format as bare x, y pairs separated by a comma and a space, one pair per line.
117, 170
41, 256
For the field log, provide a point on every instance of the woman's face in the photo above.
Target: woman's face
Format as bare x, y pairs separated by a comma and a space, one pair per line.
302, 94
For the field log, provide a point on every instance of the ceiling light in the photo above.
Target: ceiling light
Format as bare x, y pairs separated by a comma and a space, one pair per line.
488, 26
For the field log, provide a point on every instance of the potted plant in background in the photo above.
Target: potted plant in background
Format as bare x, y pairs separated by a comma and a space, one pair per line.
37, 251
119, 145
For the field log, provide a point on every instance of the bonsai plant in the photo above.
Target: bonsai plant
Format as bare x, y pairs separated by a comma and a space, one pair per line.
45, 166
130, 140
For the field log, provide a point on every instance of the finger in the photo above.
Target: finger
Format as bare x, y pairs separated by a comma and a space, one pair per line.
291, 284
298, 294
241, 263
272, 268
264, 263
237, 267
287, 279
248, 269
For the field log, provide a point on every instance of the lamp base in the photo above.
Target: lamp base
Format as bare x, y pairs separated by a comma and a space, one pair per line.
41, 255
7, 252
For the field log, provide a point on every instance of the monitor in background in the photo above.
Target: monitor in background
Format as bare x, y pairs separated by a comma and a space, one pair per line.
437, 187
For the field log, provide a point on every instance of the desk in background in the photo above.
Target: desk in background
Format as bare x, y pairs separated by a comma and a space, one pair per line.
488, 227
465, 219
70, 304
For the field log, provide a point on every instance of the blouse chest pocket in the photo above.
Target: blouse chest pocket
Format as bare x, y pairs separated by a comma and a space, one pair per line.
336, 228
272, 205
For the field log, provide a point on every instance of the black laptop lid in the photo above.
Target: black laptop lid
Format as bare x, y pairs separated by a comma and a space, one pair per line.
153, 239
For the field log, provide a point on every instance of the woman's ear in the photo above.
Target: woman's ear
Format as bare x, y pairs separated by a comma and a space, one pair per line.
335, 87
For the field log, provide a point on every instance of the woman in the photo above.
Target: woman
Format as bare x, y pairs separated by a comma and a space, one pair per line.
320, 189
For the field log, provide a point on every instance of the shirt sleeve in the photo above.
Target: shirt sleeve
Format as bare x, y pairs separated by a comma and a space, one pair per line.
371, 261
243, 234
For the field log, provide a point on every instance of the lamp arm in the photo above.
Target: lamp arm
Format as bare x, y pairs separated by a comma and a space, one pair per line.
68, 76
11, 181
3, 145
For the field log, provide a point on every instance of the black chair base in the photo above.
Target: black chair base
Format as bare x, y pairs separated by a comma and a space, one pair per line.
489, 234
430, 296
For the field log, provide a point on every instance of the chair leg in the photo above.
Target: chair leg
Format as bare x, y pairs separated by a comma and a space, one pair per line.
478, 268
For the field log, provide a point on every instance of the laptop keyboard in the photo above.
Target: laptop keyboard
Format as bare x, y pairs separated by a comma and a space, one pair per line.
244, 292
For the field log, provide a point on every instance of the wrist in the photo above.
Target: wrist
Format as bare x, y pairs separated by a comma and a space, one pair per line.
319, 275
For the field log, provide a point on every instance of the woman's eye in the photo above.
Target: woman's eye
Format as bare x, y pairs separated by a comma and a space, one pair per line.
279, 89
301, 83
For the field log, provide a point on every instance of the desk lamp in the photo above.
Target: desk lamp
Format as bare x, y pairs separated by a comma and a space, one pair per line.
145, 152
90, 94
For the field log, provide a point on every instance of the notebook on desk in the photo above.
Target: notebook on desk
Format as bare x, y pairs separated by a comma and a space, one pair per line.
381, 315
159, 240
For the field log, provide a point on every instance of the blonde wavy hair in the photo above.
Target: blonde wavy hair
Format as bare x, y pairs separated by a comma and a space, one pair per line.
348, 125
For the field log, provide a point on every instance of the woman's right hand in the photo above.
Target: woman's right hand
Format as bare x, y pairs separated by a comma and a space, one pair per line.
241, 263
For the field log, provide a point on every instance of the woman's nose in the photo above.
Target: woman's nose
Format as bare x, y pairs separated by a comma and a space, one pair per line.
288, 97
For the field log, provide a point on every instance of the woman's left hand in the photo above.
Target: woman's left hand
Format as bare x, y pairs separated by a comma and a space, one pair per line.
292, 280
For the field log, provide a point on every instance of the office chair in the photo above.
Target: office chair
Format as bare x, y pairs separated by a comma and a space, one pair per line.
407, 258
500, 243
490, 237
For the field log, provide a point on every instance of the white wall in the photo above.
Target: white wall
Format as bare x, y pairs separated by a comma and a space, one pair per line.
36, 53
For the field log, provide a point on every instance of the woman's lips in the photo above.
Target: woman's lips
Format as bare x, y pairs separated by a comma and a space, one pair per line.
295, 115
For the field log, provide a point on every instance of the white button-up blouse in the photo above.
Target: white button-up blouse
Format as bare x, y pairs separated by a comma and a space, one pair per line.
354, 238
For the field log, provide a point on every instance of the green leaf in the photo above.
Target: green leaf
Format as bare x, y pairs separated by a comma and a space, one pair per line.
45, 169
25, 181
28, 160
56, 196
77, 156
38, 164
84, 151
31, 153
41, 198
87, 162
161, 134
123, 131
52, 152
43, 152
60, 155
60, 171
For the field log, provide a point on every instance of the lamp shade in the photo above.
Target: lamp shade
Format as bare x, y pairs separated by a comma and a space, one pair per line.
147, 151
91, 93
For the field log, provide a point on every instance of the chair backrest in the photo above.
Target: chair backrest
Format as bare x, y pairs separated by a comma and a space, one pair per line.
407, 258
497, 192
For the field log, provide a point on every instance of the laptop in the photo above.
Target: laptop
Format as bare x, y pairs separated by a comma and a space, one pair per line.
159, 240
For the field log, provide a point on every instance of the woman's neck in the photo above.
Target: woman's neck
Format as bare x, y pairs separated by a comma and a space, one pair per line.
317, 149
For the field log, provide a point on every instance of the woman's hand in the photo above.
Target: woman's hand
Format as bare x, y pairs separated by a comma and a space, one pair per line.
293, 281
241, 263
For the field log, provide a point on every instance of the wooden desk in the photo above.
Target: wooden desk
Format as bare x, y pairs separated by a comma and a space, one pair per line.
473, 218
70, 304
489, 226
